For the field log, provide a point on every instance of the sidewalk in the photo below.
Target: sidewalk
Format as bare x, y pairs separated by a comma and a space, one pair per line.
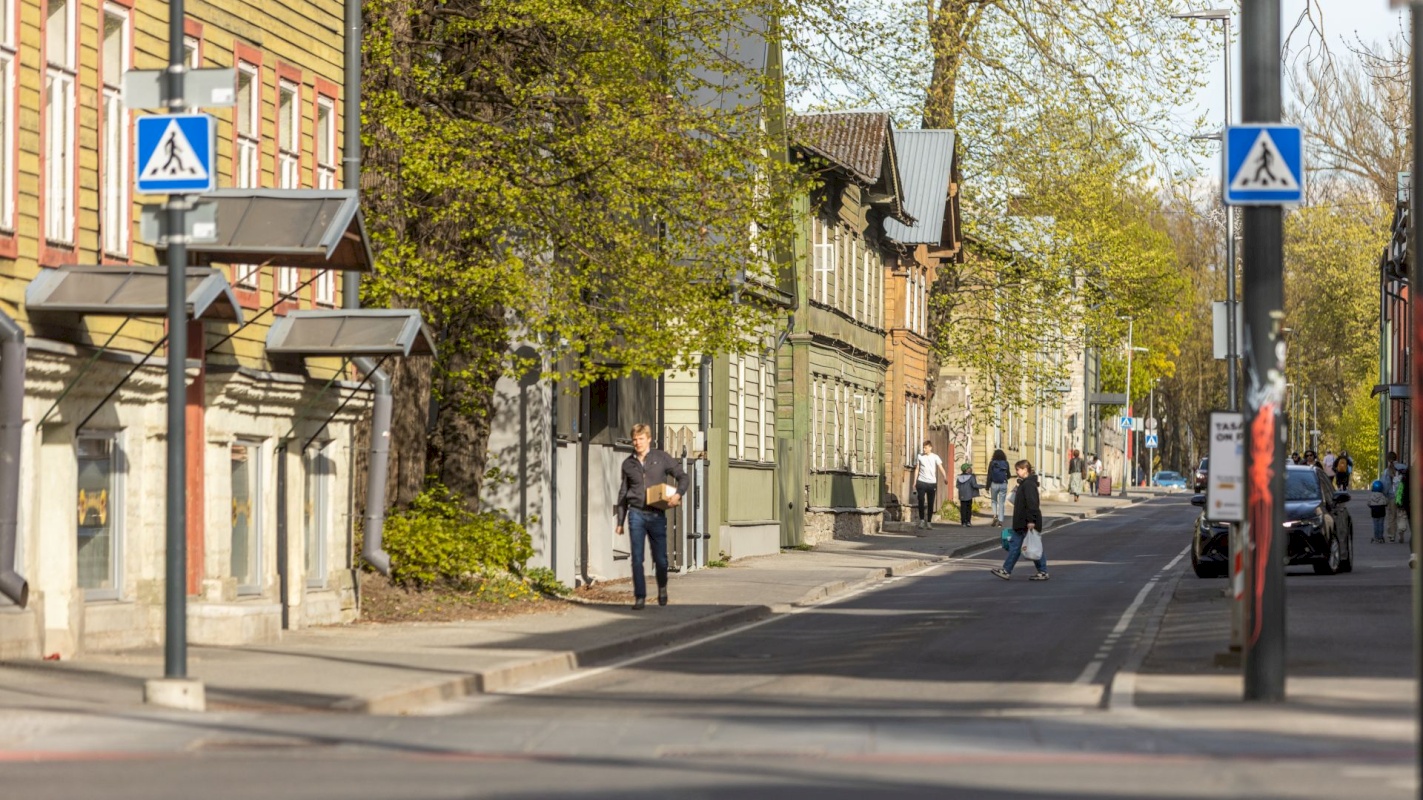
400, 668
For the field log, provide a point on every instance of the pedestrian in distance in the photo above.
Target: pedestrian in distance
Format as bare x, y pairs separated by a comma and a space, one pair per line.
1390, 487
1295, 458
968, 489
1328, 462
646, 468
1343, 469
998, 484
926, 482
1076, 474
1378, 510
1027, 516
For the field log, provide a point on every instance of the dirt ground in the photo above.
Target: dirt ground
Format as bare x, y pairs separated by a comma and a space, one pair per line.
384, 602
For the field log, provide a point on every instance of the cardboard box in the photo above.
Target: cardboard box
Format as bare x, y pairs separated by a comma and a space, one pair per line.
658, 494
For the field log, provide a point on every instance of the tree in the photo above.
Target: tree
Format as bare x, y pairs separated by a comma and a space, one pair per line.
575, 175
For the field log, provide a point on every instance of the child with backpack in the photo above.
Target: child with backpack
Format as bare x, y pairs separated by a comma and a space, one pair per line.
1378, 510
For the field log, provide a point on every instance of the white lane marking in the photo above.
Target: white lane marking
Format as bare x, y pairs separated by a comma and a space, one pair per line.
1089, 673
582, 674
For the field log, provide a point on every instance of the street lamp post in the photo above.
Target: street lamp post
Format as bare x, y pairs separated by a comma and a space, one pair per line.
1126, 446
1223, 15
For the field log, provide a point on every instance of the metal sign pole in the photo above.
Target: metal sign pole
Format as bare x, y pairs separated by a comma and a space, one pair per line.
1415, 377
175, 639
1264, 654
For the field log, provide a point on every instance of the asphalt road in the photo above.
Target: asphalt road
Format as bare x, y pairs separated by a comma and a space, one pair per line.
948, 684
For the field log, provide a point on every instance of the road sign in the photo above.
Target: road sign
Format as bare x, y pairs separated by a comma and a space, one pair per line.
1124, 423
1264, 165
175, 154
1225, 484
1150, 423
203, 88
1151, 440
200, 224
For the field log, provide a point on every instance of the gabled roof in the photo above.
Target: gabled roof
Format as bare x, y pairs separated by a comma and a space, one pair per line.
859, 142
926, 162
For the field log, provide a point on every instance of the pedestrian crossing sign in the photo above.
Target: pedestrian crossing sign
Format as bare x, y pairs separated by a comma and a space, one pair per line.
1264, 165
175, 154
1151, 440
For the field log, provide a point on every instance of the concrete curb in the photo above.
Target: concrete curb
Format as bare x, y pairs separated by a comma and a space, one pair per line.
1120, 691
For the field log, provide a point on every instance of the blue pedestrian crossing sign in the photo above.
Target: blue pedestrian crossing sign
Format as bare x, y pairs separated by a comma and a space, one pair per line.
1264, 165
1125, 423
1151, 441
175, 154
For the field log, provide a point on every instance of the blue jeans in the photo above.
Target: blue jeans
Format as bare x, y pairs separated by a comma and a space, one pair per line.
1378, 529
999, 493
650, 525
1015, 551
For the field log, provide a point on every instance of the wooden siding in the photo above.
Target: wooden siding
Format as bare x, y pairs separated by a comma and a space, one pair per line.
305, 35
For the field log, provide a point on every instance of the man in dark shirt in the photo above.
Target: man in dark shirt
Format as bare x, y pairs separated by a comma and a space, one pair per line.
647, 467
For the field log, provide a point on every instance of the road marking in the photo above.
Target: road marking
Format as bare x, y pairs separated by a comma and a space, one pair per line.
1089, 673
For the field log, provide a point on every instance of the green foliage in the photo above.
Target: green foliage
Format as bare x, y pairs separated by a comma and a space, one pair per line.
439, 541
1358, 432
544, 581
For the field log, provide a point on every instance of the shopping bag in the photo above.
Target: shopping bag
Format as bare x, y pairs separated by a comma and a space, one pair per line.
1007, 538
1033, 546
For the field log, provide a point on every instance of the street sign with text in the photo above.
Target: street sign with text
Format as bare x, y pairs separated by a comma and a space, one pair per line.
1225, 484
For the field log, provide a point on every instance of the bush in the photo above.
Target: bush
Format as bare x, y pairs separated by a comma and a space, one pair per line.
440, 541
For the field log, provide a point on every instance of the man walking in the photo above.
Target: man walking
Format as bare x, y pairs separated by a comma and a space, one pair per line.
642, 511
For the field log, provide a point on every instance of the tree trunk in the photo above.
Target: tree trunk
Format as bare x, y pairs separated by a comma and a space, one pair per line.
948, 32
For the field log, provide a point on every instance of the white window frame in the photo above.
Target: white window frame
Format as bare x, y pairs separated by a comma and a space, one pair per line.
288, 165
193, 49
60, 94
116, 510
824, 258
751, 379
855, 266
257, 453
247, 172
114, 181
9, 58
325, 133
735, 399
768, 409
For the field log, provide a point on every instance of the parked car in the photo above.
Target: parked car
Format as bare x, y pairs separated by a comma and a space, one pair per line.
1318, 528
1202, 472
1169, 479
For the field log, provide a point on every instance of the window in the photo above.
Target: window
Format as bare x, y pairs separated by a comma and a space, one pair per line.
317, 514
867, 308
325, 143
737, 398
249, 146
8, 59
193, 52
100, 502
824, 260
768, 410
246, 473
751, 408
59, 98
117, 207
856, 265
288, 159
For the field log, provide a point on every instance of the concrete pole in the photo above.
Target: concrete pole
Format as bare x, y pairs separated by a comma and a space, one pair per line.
1264, 654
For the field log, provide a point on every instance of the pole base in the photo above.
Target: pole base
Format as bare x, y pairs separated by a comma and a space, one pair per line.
183, 694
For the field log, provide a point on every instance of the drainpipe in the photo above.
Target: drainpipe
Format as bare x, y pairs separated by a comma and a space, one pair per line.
351, 143
378, 467
12, 420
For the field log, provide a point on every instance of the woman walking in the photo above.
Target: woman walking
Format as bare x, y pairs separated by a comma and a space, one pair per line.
998, 484
968, 489
1076, 472
1343, 470
1027, 516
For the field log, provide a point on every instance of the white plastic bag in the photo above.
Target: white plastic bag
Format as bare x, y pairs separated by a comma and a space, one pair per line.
1033, 546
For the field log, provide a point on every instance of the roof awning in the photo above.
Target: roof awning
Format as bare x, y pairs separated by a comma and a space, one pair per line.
320, 228
1395, 391
130, 292
351, 332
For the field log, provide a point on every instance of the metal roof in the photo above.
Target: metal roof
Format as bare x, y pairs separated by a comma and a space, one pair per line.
351, 332
926, 165
130, 292
320, 228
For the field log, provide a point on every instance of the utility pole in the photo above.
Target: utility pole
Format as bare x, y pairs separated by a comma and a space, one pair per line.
1127, 437
1415, 372
1264, 652
175, 576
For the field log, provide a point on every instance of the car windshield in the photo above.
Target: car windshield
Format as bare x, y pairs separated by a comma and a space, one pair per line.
1301, 485
1205, 464
1166, 476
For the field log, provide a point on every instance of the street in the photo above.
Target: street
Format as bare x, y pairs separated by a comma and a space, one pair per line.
943, 683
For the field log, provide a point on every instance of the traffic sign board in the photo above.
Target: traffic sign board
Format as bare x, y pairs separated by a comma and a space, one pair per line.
1151, 423
175, 154
1151, 440
1125, 423
1264, 165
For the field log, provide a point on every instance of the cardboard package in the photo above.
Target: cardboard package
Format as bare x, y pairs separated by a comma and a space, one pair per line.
658, 494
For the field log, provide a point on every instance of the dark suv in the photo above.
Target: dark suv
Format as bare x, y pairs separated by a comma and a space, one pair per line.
1319, 530
1202, 472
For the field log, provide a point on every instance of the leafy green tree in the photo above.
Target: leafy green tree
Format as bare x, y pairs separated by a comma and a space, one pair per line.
574, 175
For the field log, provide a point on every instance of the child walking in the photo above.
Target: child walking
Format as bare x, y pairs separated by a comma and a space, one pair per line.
1378, 510
968, 489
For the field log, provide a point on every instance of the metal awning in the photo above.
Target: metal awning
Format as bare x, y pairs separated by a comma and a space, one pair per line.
1395, 391
320, 228
351, 332
130, 292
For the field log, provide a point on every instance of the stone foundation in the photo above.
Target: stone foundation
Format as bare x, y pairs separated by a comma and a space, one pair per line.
822, 526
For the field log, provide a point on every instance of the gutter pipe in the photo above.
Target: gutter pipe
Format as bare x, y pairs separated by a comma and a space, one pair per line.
351, 139
12, 420
378, 467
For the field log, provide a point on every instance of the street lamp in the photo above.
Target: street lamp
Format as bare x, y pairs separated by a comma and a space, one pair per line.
1126, 446
1223, 15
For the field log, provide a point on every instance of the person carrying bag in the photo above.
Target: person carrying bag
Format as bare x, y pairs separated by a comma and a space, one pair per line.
1027, 522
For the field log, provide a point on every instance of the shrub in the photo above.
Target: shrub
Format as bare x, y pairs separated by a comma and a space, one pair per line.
544, 581
437, 540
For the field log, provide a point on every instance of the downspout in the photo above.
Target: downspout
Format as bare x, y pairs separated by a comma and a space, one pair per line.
351, 140
12, 421
377, 468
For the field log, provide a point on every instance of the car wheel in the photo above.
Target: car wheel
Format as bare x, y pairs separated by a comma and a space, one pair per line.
1331, 562
1346, 564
